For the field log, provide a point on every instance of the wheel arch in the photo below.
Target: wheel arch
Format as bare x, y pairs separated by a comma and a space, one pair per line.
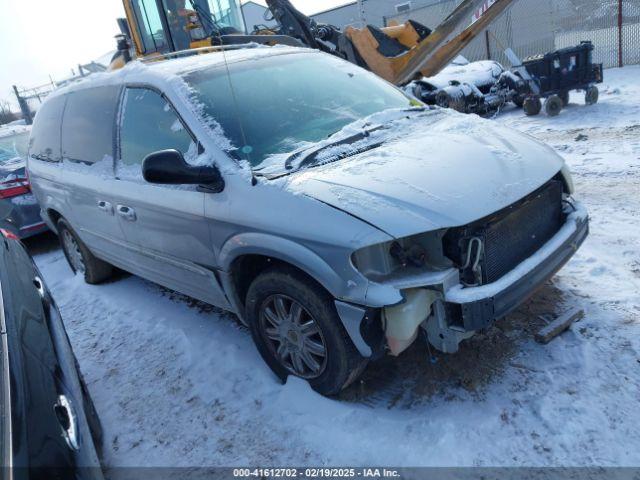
245, 256
51, 216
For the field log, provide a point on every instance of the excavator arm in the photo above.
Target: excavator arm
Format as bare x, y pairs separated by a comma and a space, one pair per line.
323, 37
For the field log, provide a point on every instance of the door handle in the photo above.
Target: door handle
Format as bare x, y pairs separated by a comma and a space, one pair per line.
67, 419
127, 213
105, 207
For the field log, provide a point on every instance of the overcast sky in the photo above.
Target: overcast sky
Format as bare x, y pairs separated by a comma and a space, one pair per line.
42, 38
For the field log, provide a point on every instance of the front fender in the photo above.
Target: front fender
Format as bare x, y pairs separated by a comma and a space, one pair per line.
352, 288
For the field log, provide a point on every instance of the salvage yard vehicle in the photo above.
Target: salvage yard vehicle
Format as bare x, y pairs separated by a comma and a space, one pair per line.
19, 210
334, 215
49, 427
480, 87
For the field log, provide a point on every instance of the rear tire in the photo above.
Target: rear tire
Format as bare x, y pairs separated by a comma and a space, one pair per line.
80, 259
591, 95
532, 105
553, 105
294, 323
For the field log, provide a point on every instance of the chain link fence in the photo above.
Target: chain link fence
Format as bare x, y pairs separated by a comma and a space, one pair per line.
530, 27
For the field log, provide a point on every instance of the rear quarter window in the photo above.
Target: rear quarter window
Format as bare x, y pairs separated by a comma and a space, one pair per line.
88, 124
44, 143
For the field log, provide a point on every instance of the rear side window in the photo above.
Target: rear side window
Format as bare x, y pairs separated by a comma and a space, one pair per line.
45, 134
88, 124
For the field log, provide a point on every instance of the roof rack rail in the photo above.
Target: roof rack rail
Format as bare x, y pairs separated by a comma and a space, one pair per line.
195, 51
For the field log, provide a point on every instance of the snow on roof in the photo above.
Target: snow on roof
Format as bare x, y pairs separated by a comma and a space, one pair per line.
147, 71
252, 51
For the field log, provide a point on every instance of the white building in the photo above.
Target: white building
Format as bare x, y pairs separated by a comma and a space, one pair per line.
374, 12
254, 14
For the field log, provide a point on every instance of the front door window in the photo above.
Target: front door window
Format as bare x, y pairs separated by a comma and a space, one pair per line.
149, 124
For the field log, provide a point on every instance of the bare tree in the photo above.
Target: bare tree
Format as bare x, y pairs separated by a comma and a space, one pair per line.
6, 115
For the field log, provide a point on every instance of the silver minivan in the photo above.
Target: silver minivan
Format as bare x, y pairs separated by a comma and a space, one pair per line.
335, 216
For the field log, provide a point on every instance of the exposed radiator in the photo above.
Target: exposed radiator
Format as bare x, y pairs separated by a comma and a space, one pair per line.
507, 237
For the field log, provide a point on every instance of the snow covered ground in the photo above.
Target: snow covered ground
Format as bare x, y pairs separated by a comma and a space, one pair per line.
179, 383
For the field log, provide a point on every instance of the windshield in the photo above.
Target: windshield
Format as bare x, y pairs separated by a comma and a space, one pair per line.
13, 146
276, 104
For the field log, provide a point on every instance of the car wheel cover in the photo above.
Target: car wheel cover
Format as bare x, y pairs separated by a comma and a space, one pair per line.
293, 336
72, 249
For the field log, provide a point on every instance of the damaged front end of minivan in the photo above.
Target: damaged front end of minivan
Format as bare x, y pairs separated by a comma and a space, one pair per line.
452, 282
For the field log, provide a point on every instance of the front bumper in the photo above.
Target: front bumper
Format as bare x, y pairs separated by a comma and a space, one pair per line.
473, 308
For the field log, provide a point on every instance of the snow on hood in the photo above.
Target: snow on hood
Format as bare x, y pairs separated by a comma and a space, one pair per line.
447, 169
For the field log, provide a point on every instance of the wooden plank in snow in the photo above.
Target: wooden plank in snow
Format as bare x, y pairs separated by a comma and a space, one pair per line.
559, 325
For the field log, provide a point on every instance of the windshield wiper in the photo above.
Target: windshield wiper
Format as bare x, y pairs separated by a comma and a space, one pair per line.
312, 157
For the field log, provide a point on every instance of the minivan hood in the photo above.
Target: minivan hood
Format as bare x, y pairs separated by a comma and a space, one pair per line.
445, 171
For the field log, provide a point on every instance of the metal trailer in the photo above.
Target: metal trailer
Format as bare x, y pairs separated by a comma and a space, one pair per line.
554, 74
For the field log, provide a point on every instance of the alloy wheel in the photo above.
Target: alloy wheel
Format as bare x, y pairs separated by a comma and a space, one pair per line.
73, 252
293, 336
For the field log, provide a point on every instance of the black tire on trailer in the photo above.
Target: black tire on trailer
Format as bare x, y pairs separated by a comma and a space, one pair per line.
296, 328
553, 105
80, 259
591, 95
532, 105
564, 96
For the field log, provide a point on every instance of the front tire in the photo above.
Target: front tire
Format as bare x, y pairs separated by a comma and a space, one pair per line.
532, 105
80, 259
297, 331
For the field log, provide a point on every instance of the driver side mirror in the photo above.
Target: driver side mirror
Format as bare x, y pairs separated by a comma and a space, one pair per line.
168, 167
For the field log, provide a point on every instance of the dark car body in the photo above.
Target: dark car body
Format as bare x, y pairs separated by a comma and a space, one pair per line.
19, 210
48, 425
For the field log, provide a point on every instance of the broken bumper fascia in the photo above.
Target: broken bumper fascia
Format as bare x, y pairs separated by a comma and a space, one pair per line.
463, 310
477, 307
